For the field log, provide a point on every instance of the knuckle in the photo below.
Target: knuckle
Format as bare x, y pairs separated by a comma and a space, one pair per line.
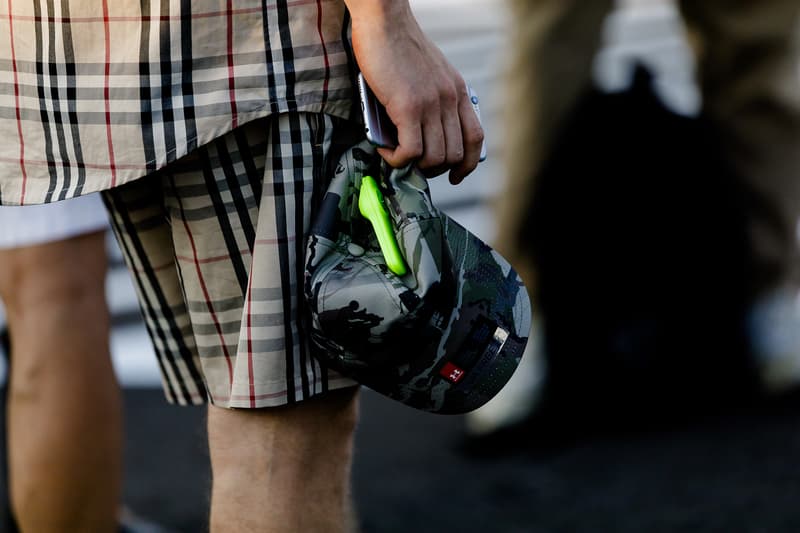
474, 135
461, 86
409, 152
411, 107
415, 150
431, 103
449, 96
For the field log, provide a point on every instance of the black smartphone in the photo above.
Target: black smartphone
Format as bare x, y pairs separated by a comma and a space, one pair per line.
378, 127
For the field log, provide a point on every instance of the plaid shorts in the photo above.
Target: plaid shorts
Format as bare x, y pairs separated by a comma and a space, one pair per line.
215, 242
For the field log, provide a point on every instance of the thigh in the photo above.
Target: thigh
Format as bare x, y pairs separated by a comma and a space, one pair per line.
744, 47
748, 57
53, 274
53, 249
54, 296
554, 44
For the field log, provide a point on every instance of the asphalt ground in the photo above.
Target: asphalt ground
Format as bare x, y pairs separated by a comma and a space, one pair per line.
732, 470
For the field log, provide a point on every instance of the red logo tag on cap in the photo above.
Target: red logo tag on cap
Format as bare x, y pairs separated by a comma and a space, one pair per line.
452, 373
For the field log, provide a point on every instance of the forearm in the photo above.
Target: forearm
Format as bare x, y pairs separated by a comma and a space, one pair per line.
379, 12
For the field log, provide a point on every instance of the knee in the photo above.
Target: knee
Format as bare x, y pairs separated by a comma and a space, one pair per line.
303, 433
45, 289
326, 423
61, 273
322, 429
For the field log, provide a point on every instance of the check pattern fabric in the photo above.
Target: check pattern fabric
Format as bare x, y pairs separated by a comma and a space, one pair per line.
216, 243
97, 93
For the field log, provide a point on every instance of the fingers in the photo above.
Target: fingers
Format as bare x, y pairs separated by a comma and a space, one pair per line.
443, 147
453, 136
435, 149
472, 135
409, 145
421, 141
438, 131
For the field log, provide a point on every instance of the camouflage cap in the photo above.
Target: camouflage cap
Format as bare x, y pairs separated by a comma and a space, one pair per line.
443, 338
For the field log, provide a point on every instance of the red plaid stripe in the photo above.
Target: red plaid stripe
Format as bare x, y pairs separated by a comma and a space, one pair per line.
226, 317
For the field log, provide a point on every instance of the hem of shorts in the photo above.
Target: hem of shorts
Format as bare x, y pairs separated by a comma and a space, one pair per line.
193, 400
277, 398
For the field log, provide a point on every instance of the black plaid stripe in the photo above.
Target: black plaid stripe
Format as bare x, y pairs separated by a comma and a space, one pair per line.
223, 231
80, 113
140, 225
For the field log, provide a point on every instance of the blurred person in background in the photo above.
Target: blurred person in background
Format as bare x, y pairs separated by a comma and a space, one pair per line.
209, 171
64, 412
747, 55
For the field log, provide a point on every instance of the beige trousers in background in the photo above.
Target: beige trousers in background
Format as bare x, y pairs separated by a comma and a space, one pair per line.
747, 54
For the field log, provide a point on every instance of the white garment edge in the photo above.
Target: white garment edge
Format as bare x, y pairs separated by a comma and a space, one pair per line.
39, 224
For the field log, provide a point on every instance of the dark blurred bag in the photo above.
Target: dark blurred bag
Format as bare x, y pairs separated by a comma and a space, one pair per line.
638, 233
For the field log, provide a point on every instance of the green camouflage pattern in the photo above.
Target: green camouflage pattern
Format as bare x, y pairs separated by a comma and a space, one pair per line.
445, 337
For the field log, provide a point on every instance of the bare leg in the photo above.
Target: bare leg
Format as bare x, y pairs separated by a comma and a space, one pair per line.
748, 54
283, 469
64, 407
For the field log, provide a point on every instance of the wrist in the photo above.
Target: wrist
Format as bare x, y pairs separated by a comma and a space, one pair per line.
378, 11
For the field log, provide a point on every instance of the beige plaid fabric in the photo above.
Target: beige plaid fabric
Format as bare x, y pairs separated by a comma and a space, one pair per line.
96, 93
216, 242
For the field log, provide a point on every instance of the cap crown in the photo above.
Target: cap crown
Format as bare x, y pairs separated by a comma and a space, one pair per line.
447, 335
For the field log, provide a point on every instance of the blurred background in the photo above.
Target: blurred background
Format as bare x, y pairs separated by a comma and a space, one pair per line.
731, 467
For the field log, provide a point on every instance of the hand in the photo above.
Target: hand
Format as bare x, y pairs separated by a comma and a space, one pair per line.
425, 97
